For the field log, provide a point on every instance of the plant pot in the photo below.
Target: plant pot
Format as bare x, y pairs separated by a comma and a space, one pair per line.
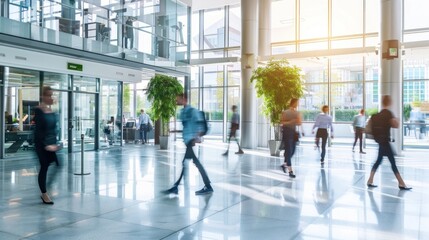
274, 146
163, 142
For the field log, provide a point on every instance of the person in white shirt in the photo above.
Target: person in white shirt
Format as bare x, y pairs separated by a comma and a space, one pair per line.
143, 125
359, 128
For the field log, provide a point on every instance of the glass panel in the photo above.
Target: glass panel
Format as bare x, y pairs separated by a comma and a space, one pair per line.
372, 15
347, 100
213, 75
195, 79
415, 14
234, 74
313, 46
21, 89
195, 100
61, 108
283, 49
371, 99
213, 106
84, 121
195, 31
84, 84
347, 17
347, 68
110, 117
371, 85
213, 54
214, 29
283, 21
235, 26
413, 37
372, 41
314, 70
234, 53
349, 43
129, 109
315, 96
56, 80
314, 19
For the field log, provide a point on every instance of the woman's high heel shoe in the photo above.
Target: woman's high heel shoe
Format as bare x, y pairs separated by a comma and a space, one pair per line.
283, 168
45, 202
405, 188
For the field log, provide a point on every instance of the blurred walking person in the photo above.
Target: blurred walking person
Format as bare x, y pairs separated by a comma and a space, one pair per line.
359, 128
381, 124
323, 123
190, 117
290, 119
235, 125
45, 136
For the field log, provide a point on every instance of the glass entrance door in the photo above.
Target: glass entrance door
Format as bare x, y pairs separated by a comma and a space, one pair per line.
83, 121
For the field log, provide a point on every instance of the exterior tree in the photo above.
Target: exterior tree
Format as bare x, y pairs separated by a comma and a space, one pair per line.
277, 83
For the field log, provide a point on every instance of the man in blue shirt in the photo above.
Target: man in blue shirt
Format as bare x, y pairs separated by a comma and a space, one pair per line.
190, 116
143, 125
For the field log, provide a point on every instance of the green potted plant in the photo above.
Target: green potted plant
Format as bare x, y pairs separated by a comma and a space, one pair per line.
277, 82
162, 91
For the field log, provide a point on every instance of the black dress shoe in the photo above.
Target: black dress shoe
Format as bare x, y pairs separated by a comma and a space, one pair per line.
370, 185
405, 188
172, 190
45, 202
283, 167
204, 190
291, 174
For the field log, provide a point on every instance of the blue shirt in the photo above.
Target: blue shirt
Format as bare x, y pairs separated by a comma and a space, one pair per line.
189, 117
323, 121
143, 119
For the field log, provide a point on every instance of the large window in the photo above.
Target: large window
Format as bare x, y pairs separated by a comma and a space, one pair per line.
347, 17
283, 21
313, 19
214, 32
234, 26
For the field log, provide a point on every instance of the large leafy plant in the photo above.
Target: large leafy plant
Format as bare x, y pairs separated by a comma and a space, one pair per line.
276, 83
162, 91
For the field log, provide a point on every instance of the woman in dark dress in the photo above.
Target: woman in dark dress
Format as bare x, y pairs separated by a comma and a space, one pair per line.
45, 136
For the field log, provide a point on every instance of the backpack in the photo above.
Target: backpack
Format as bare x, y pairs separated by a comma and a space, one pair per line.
377, 129
202, 125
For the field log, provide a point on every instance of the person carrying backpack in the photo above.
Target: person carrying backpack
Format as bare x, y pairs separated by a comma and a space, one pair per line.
192, 130
381, 123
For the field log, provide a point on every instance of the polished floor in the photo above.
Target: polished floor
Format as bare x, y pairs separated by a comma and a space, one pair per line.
252, 199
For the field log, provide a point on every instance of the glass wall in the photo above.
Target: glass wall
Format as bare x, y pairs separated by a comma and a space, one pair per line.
150, 31
75, 103
346, 82
21, 89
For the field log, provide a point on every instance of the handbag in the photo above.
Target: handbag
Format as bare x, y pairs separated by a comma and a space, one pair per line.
368, 129
149, 127
296, 136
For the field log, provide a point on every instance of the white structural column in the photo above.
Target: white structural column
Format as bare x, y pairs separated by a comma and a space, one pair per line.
264, 45
390, 81
249, 51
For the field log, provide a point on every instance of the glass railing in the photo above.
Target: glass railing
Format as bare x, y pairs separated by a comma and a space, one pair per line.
151, 32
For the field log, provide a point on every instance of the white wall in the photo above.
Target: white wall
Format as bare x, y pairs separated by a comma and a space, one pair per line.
29, 59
